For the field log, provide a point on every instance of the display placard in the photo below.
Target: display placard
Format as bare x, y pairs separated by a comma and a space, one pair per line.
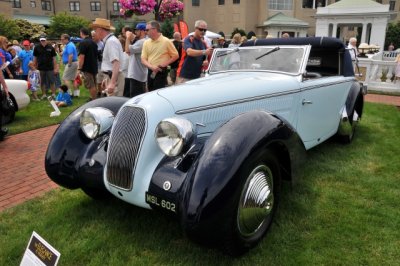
39, 252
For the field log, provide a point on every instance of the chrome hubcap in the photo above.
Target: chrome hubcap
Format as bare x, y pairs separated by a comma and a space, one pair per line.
256, 201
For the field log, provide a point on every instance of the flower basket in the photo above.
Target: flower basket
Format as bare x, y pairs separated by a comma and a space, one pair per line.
136, 7
170, 9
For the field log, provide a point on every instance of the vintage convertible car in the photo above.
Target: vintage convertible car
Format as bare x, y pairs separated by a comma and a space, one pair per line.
213, 151
17, 92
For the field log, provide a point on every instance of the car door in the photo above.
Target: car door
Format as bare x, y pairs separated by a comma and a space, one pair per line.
321, 101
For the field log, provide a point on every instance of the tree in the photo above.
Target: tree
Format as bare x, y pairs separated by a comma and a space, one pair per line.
392, 35
65, 23
167, 28
9, 28
29, 31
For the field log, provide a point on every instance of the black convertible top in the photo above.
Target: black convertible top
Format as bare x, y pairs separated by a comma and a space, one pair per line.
317, 42
332, 49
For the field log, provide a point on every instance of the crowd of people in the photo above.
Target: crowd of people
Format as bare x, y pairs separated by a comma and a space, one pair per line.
137, 61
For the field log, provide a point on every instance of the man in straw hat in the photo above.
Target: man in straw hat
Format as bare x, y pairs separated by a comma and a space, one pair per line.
112, 55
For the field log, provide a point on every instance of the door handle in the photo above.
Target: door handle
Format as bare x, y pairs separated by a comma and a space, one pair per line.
306, 102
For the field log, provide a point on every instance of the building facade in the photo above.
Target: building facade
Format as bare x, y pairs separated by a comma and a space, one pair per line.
259, 16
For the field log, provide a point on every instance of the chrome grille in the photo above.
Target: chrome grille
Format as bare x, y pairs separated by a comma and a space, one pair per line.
124, 145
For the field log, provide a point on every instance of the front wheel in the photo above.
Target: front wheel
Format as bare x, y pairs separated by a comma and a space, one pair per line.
10, 116
254, 203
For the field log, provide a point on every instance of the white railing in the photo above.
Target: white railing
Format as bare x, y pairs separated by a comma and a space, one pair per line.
389, 55
378, 72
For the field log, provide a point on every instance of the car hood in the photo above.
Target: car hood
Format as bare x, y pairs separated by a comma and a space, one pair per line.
227, 87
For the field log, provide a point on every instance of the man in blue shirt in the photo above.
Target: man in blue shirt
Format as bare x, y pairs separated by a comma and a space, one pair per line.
70, 60
25, 56
196, 53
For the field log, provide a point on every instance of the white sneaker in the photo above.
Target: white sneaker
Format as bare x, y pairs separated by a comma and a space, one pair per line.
55, 113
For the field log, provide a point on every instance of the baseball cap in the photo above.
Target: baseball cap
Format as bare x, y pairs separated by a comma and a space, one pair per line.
141, 26
42, 38
26, 42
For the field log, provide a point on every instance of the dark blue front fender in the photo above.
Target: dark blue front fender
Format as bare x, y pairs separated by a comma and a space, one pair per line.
211, 184
73, 160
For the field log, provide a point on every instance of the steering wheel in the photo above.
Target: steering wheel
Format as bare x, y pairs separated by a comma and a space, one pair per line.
312, 75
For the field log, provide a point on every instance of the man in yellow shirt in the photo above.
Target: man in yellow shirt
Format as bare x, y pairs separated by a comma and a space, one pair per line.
157, 54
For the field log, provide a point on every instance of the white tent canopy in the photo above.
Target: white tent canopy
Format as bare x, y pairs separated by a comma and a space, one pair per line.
210, 34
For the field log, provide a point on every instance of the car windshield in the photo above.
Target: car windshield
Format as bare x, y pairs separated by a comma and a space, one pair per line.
258, 58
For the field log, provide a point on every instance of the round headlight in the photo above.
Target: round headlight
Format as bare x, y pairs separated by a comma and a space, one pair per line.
95, 121
174, 135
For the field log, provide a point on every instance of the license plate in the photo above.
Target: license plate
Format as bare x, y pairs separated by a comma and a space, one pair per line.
165, 204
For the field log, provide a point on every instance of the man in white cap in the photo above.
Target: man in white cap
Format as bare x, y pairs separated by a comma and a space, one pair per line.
44, 57
112, 55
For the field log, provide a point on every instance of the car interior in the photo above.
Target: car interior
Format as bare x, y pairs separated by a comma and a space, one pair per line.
323, 63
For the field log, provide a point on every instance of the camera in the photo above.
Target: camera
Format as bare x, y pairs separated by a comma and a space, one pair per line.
100, 55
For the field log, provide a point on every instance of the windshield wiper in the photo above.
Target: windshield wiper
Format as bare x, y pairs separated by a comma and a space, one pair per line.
229, 52
269, 52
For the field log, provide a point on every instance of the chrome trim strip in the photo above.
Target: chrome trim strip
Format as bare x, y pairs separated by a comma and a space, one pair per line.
217, 105
211, 106
255, 70
327, 84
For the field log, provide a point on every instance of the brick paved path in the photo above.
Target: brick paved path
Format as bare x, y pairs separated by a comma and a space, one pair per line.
386, 99
22, 174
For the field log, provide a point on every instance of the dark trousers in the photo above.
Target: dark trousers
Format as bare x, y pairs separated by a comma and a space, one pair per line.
126, 87
136, 87
159, 81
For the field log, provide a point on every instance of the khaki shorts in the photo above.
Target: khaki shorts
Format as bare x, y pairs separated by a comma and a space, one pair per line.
70, 71
88, 80
119, 87
100, 77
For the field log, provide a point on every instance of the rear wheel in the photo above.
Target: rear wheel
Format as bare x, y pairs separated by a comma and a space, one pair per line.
353, 120
254, 204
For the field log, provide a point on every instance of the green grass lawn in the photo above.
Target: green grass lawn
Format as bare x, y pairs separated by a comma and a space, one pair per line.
37, 114
343, 210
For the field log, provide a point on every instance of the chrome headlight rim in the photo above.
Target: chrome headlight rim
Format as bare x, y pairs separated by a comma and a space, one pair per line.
95, 121
175, 135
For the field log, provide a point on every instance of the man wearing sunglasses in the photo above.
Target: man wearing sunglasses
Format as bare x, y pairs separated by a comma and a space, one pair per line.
197, 53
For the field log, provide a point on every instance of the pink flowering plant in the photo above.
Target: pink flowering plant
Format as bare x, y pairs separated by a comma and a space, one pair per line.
170, 8
163, 9
137, 7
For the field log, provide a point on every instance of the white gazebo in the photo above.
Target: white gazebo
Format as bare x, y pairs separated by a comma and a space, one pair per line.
368, 17
279, 23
